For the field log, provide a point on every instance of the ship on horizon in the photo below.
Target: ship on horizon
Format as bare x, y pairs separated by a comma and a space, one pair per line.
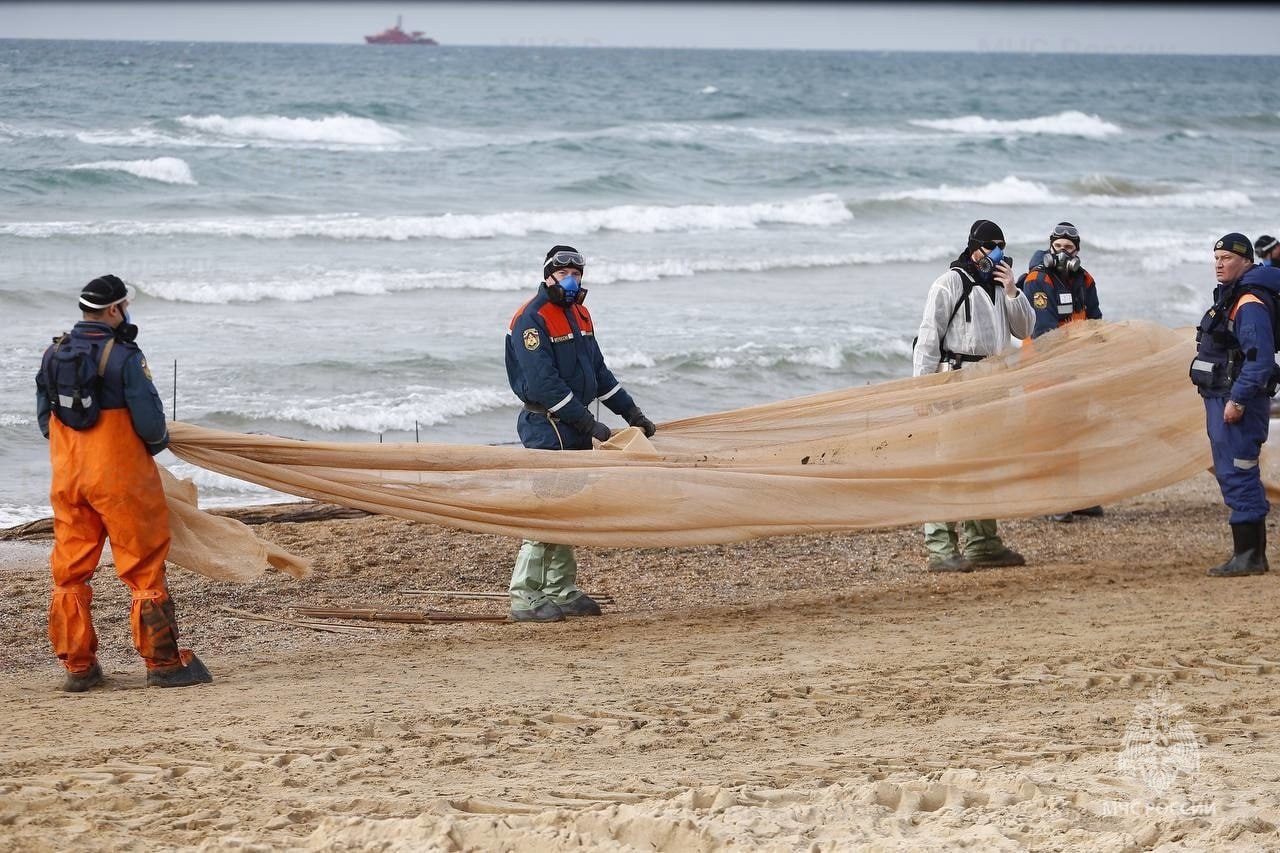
395, 35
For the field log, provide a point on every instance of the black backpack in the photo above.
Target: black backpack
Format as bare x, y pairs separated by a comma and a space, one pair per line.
74, 382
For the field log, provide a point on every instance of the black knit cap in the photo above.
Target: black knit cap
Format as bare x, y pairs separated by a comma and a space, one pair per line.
1236, 243
103, 292
548, 266
984, 231
1265, 244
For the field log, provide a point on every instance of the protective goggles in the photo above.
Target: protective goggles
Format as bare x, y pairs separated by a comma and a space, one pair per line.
992, 245
1068, 231
1262, 250
560, 260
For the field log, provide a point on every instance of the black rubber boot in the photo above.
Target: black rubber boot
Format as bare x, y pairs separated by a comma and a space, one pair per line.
79, 682
1250, 558
1090, 512
583, 605
189, 673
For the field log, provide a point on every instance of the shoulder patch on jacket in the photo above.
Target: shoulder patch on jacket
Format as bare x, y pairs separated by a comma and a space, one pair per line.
531, 339
1040, 300
146, 371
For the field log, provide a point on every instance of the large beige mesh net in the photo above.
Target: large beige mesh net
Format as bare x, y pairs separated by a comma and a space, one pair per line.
1089, 414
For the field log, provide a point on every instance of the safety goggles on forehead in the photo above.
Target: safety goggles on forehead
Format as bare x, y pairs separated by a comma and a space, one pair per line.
565, 259
1262, 250
1068, 231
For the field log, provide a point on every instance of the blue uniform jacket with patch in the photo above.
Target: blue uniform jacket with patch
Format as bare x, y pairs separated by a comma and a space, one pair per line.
553, 361
1059, 297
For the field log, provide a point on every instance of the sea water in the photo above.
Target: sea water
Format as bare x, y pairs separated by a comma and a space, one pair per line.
329, 241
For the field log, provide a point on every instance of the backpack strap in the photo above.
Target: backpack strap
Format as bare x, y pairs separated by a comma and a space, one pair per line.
106, 354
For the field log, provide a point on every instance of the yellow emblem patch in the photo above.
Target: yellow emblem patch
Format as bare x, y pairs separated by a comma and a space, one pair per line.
146, 371
531, 339
1040, 300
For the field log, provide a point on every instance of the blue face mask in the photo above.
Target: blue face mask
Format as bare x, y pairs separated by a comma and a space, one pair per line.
571, 284
1266, 262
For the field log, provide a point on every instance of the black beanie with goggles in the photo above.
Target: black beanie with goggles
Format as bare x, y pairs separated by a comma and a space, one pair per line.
553, 263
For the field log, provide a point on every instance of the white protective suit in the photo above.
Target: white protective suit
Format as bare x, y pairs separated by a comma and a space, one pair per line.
986, 333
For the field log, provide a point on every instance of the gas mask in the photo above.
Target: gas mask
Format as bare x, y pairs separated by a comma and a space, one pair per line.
1062, 261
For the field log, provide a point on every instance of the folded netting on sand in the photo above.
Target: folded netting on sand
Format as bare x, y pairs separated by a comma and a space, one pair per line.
1089, 414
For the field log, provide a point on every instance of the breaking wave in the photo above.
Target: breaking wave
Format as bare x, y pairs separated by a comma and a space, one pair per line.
1068, 123
377, 411
166, 170
818, 210
307, 285
342, 129
1013, 190
1010, 190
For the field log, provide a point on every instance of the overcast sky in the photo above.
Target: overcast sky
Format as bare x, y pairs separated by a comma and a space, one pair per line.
1049, 27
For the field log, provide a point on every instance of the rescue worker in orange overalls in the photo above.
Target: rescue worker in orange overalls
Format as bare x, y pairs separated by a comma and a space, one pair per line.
1061, 291
98, 407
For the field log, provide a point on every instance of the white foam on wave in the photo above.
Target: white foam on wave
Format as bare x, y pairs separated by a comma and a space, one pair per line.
343, 129
709, 90
1009, 190
10, 420
1012, 190
166, 170
1068, 123
380, 411
1216, 198
307, 284
12, 515
818, 210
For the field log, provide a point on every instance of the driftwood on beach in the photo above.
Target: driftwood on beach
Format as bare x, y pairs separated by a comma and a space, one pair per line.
42, 528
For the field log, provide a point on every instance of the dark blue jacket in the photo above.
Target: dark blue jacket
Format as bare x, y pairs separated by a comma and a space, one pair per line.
554, 362
1235, 350
126, 384
1058, 297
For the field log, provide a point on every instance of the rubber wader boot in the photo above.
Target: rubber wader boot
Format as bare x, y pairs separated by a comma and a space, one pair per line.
583, 605
190, 672
1250, 556
547, 611
1090, 512
79, 682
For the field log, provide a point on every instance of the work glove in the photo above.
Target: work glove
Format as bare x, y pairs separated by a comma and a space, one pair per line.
636, 418
593, 428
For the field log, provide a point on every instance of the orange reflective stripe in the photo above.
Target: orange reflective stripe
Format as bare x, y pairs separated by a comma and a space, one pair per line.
1243, 300
148, 594
557, 323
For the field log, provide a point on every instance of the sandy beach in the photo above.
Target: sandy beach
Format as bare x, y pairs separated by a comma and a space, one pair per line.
813, 693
